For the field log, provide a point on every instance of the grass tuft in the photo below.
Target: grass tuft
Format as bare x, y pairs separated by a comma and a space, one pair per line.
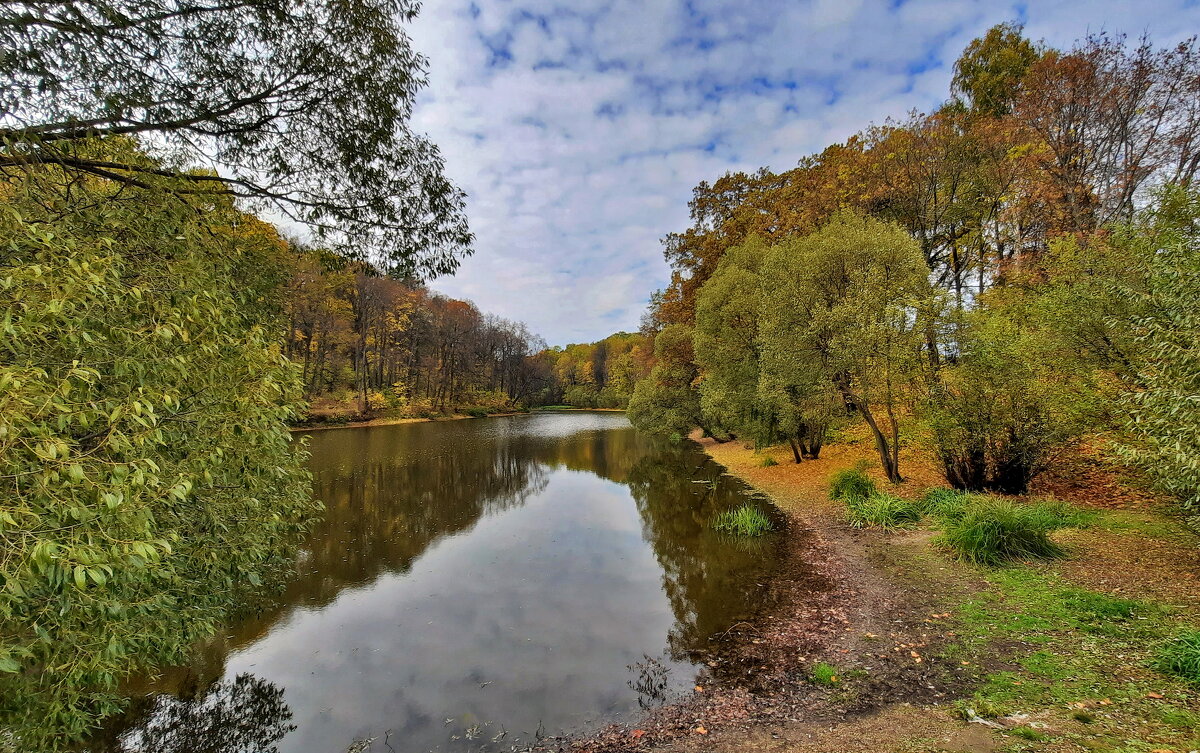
879, 510
767, 462
746, 520
852, 483
992, 531
825, 674
1180, 657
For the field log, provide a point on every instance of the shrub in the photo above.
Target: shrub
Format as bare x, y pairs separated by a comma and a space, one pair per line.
991, 531
882, 511
746, 520
768, 462
1181, 657
852, 483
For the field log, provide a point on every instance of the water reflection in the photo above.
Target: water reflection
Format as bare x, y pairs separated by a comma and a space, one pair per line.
476, 580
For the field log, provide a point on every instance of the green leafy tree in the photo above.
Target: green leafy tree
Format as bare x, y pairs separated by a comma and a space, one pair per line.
147, 479
846, 306
298, 105
990, 70
666, 402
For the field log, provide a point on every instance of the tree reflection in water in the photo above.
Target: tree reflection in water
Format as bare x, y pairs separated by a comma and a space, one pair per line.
245, 715
540, 613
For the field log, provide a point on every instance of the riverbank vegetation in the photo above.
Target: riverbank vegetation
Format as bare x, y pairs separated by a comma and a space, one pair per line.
148, 483
993, 281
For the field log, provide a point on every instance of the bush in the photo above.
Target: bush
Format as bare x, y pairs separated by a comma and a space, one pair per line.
882, 511
852, 483
1181, 657
768, 462
746, 520
991, 531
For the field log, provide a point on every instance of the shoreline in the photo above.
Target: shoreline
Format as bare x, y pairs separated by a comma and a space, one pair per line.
892, 615
385, 421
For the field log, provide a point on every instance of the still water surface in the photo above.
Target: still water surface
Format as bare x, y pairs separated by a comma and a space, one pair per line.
473, 584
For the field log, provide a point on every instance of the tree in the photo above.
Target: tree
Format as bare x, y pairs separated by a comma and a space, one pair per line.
846, 306
1164, 411
665, 402
148, 479
991, 69
298, 105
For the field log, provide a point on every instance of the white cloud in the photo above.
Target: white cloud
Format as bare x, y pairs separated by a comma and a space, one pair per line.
579, 128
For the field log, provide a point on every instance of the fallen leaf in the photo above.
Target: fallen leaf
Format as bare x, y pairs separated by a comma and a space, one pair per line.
637, 734
1154, 695
699, 689
701, 731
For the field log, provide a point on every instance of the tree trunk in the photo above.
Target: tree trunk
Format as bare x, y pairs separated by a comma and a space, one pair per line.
799, 456
888, 456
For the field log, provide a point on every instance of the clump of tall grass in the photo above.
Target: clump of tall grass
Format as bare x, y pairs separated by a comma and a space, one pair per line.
991, 531
768, 462
746, 520
879, 510
944, 504
1180, 656
852, 483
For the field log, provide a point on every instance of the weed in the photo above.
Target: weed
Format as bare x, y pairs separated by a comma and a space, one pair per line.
850, 484
1028, 733
882, 511
767, 462
746, 520
824, 674
992, 531
1180, 656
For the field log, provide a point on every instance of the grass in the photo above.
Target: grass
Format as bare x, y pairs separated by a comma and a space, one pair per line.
1180, 657
1084, 656
992, 531
879, 510
824, 674
852, 483
768, 462
746, 520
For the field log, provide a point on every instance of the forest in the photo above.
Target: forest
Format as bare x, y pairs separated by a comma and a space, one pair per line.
993, 281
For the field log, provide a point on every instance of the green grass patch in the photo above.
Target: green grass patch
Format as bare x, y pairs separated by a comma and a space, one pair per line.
852, 483
1080, 654
746, 520
825, 674
767, 462
1180, 657
879, 510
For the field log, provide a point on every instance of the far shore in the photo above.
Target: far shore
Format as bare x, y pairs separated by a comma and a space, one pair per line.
394, 421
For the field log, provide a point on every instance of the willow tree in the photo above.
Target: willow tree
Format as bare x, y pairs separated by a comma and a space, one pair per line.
666, 402
148, 483
846, 306
728, 352
301, 106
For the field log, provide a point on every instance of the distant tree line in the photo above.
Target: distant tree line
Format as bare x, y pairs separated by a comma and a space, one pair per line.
994, 279
594, 375
366, 342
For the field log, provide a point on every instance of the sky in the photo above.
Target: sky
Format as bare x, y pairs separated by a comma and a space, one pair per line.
578, 128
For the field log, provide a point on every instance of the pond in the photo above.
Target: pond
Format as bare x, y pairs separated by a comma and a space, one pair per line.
474, 584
